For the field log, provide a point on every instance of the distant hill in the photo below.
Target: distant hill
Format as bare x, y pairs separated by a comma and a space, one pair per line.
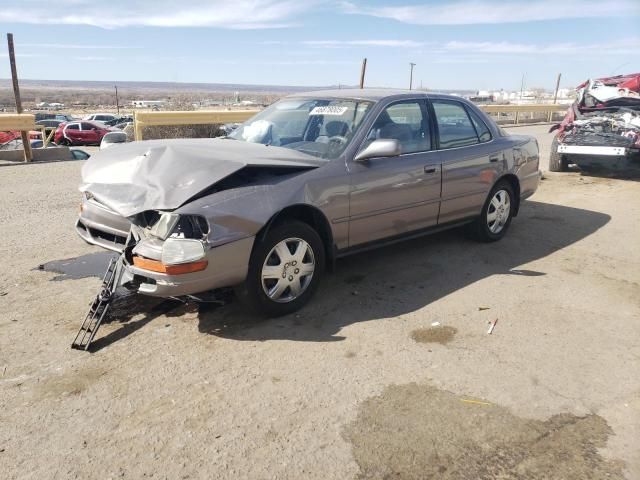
157, 86
168, 87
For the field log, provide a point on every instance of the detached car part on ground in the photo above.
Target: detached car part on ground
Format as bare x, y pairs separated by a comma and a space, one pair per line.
312, 178
602, 128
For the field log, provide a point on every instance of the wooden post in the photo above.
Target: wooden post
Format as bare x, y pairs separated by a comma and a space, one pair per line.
137, 129
26, 145
555, 94
363, 70
411, 76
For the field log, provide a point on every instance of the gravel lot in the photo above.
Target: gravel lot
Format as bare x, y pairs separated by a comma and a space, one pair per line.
357, 385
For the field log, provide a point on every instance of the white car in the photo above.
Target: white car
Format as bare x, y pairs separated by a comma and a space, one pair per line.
101, 117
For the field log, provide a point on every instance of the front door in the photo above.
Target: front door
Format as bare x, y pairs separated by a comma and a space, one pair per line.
89, 134
395, 195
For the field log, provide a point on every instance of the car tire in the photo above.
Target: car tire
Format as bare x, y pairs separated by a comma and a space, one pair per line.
497, 213
276, 284
557, 161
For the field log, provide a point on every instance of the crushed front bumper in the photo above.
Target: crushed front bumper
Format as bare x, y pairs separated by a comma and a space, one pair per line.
593, 150
100, 226
227, 266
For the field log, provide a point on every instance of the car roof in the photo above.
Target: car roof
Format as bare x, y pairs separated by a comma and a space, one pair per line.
372, 94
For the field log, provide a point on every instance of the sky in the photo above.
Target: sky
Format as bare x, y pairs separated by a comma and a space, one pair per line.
458, 44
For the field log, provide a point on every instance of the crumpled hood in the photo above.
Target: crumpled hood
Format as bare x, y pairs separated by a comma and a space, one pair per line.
164, 174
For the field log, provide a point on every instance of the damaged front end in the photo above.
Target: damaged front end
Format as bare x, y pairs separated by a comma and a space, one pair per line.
602, 128
169, 255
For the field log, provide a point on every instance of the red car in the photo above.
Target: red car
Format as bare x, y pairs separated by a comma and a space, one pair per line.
14, 134
80, 133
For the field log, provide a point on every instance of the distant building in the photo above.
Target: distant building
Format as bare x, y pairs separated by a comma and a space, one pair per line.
49, 106
148, 103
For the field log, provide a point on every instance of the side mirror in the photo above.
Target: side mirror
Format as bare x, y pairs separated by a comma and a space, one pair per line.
383, 147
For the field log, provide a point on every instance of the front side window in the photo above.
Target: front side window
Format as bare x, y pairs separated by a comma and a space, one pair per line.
319, 127
404, 122
454, 125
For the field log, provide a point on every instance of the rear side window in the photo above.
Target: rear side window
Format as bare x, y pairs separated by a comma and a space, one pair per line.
73, 126
481, 128
454, 125
406, 123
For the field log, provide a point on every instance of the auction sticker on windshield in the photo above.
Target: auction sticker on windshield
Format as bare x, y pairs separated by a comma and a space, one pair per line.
328, 110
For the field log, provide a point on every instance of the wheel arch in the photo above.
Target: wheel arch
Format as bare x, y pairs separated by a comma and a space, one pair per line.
514, 181
310, 215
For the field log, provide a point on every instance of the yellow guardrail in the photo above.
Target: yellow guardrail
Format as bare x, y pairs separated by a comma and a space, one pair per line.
535, 107
152, 119
17, 121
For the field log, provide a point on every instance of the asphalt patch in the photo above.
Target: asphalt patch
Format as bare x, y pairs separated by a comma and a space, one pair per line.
419, 432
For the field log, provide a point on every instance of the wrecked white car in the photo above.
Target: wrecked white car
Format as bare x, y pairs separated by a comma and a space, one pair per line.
602, 127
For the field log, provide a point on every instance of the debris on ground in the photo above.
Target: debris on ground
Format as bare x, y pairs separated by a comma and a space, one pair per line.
477, 402
492, 325
483, 308
435, 324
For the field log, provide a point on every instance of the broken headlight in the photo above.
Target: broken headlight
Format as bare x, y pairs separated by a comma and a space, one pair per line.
172, 225
165, 225
181, 250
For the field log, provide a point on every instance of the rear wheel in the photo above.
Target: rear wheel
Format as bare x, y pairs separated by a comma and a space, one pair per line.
497, 212
284, 270
557, 161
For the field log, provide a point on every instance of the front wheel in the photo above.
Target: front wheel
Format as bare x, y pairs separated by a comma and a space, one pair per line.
284, 270
497, 212
557, 161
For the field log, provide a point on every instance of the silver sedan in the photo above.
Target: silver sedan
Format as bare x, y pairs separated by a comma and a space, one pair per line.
310, 179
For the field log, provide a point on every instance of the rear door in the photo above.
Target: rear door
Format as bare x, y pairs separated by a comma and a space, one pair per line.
396, 195
72, 132
471, 160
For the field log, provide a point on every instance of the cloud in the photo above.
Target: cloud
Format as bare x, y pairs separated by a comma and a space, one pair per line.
619, 47
237, 14
74, 46
363, 43
468, 12
91, 58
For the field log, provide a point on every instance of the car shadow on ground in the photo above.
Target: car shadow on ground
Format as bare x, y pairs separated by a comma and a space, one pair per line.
126, 307
408, 276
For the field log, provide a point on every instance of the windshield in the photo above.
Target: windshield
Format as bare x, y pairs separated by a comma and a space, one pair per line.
319, 127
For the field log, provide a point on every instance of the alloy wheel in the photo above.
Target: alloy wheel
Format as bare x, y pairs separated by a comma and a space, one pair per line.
288, 269
498, 211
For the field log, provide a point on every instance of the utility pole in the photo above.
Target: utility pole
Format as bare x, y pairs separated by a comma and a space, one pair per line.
26, 145
363, 70
117, 102
411, 75
555, 95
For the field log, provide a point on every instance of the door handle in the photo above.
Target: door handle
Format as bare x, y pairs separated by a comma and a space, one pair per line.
428, 169
494, 158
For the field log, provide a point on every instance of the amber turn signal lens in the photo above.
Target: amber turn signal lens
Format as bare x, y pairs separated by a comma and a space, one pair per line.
156, 266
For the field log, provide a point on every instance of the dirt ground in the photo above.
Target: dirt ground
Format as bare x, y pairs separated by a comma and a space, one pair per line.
389, 372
